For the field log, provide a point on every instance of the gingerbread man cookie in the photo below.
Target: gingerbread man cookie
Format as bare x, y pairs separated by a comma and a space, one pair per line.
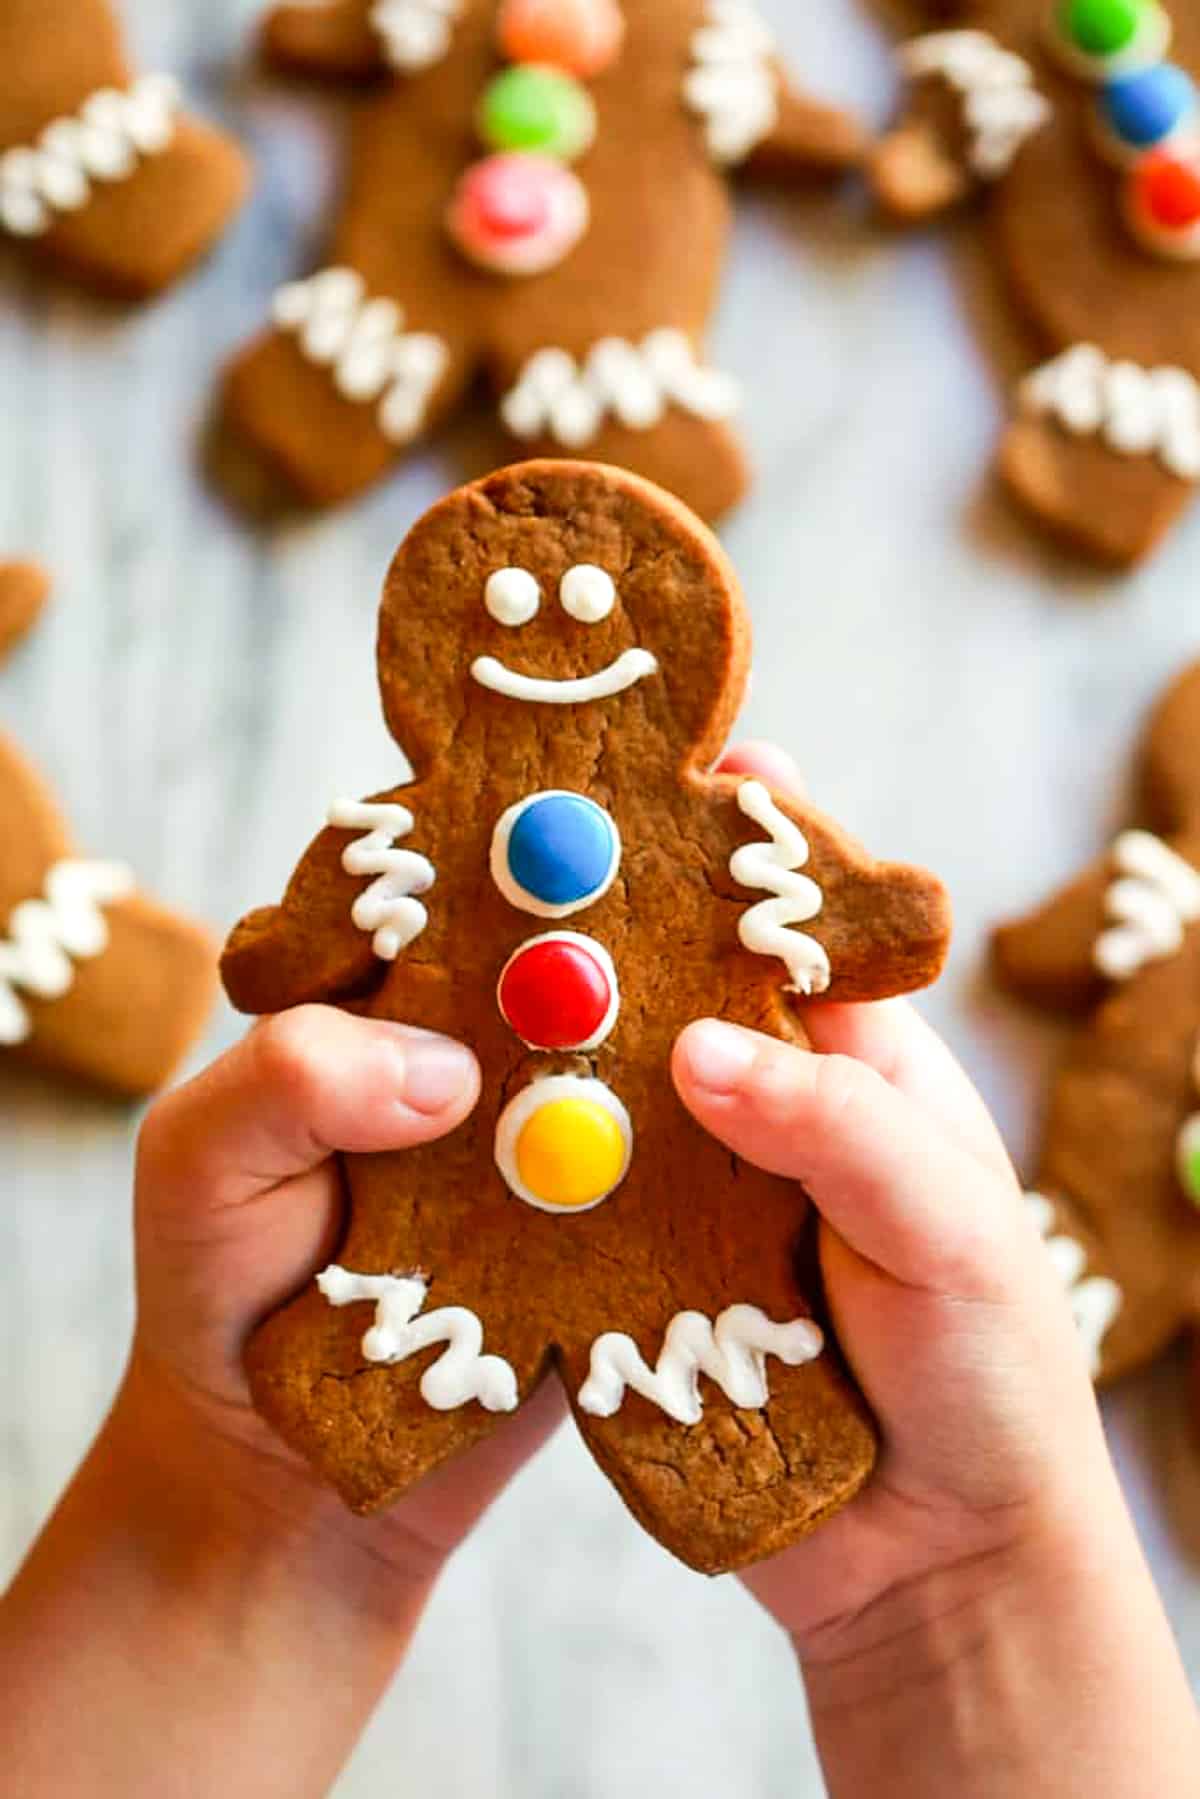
562, 651
538, 200
1079, 122
1119, 1181
101, 170
97, 981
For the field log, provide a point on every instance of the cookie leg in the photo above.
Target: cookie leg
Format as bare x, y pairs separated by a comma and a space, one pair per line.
649, 405
342, 387
742, 1481
376, 1386
336, 39
1111, 506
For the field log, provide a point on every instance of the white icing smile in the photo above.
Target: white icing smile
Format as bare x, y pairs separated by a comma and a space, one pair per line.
628, 669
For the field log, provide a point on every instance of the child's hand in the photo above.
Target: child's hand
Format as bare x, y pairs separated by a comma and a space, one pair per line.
202, 1615
238, 1201
979, 1620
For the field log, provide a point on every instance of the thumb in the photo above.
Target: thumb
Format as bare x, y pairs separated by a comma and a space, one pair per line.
893, 1189
238, 1198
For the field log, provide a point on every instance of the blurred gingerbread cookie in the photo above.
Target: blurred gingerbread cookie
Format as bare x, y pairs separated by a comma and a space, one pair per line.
23, 590
539, 200
97, 982
1078, 123
1119, 1178
102, 172
562, 651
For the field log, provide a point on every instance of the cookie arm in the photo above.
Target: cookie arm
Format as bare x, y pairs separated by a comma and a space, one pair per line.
1048, 957
809, 137
350, 910
876, 928
919, 167
23, 591
335, 41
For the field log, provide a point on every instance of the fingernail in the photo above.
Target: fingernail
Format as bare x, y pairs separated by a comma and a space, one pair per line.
437, 1072
719, 1056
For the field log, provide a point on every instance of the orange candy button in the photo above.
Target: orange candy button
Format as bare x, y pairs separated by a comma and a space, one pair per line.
584, 37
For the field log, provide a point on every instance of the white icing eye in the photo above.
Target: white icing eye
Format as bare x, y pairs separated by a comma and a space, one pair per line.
512, 596
587, 593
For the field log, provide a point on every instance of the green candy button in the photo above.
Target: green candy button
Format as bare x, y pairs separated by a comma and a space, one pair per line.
537, 109
1102, 27
1187, 1159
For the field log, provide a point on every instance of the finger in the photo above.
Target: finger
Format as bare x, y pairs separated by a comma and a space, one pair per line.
892, 1038
765, 762
298, 1088
892, 1187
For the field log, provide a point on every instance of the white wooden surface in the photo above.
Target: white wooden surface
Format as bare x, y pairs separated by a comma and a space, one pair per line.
955, 692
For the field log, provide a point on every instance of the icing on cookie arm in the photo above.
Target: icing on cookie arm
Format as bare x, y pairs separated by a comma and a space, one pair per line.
351, 909
871, 915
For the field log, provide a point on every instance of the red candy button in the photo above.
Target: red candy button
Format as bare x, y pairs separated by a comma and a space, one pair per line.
559, 992
1167, 191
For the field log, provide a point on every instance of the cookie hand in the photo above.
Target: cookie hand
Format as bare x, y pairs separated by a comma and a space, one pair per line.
808, 137
335, 39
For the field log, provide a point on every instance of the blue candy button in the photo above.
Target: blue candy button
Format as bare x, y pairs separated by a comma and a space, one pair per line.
555, 853
1145, 107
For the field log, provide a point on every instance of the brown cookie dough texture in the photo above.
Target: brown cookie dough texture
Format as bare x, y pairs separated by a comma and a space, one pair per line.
97, 981
1119, 947
101, 171
1104, 444
602, 354
610, 581
23, 591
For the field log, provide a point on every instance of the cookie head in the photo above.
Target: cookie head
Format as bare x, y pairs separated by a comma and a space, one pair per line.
559, 602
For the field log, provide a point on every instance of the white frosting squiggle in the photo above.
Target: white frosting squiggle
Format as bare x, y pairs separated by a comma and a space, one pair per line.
1095, 1301
387, 910
1138, 411
47, 936
556, 396
364, 343
765, 928
1155, 897
104, 141
463, 1373
1001, 106
732, 1353
415, 33
732, 84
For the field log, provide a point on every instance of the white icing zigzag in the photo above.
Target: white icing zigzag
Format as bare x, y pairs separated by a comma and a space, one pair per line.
732, 1353
1156, 895
46, 936
1095, 1301
104, 141
1001, 106
732, 84
415, 33
463, 1373
364, 343
557, 397
765, 928
387, 908
1137, 411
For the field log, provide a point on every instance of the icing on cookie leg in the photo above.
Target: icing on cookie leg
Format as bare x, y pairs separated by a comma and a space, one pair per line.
100, 171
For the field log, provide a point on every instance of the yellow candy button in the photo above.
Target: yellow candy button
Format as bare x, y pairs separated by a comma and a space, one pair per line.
564, 1144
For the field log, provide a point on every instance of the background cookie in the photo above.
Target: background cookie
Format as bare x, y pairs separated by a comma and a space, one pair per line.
562, 651
101, 171
97, 981
1119, 1176
1082, 135
558, 235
